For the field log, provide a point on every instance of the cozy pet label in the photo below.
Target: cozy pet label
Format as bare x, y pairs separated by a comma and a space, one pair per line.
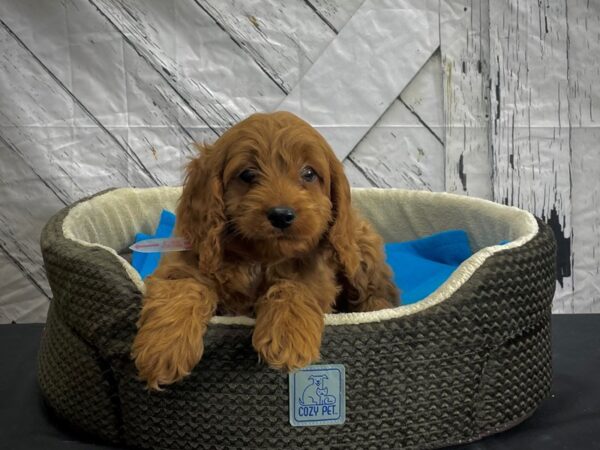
318, 395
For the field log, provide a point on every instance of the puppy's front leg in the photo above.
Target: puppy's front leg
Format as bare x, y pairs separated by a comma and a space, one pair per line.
289, 326
174, 317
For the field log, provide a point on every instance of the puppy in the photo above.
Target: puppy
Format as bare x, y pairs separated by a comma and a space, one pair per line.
267, 211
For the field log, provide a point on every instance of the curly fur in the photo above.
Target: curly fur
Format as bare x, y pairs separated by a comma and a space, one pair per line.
329, 259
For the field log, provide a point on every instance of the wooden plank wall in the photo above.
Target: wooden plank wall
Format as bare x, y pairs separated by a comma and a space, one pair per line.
98, 93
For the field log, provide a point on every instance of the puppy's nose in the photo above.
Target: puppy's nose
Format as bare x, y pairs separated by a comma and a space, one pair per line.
281, 216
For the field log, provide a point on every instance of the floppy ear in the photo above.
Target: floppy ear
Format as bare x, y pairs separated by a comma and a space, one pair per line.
201, 211
342, 234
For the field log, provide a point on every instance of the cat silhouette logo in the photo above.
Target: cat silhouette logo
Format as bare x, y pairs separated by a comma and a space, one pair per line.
317, 395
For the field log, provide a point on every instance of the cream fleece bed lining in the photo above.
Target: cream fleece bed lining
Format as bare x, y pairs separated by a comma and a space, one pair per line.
111, 220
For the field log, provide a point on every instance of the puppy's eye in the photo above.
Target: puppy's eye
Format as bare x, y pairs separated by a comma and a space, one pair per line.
248, 176
308, 174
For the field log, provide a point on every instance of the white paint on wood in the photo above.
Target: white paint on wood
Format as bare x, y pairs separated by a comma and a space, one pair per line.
360, 74
27, 202
185, 50
283, 38
36, 118
356, 175
583, 66
530, 121
336, 12
99, 93
20, 300
404, 149
112, 84
400, 152
464, 39
424, 95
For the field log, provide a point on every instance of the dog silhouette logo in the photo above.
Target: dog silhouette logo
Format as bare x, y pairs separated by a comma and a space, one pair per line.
317, 395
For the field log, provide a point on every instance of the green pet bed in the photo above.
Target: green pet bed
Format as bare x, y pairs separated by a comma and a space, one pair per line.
471, 359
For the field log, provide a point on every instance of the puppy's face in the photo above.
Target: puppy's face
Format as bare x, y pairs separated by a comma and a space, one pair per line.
276, 185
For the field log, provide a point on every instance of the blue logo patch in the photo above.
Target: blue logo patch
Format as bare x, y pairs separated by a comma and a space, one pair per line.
318, 395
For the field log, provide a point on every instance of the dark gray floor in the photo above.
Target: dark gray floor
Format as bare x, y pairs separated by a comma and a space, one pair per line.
569, 419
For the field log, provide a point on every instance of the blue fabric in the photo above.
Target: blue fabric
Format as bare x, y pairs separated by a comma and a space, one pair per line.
422, 265
419, 266
146, 263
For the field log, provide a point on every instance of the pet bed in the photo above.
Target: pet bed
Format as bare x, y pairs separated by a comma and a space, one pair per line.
471, 359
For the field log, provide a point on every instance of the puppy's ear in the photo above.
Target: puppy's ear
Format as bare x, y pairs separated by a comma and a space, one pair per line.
201, 211
342, 234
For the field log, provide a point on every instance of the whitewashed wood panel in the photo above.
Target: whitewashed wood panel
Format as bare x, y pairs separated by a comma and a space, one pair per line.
530, 121
335, 13
115, 88
36, 116
400, 152
356, 175
404, 148
196, 56
360, 74
26, 202
20, 299
283, 38
464, 29
99, 93
583, 65
424, 96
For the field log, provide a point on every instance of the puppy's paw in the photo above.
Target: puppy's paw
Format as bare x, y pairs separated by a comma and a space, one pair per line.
287, 348
169, 341
163, 357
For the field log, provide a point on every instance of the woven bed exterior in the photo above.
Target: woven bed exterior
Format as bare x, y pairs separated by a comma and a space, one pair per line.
472, 365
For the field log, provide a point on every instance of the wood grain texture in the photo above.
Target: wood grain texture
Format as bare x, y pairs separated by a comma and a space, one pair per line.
196, 57
423, 96
530, 119
335, 13
20, 299
114, 88
464, 37
27, 202
102, 93
400, 152
359, 75
283, 38
583, 70
403, 148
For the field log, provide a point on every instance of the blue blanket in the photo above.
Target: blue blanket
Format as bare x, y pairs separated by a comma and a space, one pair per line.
422, 265
419, 266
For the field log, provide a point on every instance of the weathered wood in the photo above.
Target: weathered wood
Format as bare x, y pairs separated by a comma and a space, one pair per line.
464, 40
283, 38
356, 175
530, 122
86, 59
42, 155
400, 152
20, 300
358, 76
335, 13
98, 93
404, 148
197, 58
27, 202
36, 116
583, 69
423, 96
